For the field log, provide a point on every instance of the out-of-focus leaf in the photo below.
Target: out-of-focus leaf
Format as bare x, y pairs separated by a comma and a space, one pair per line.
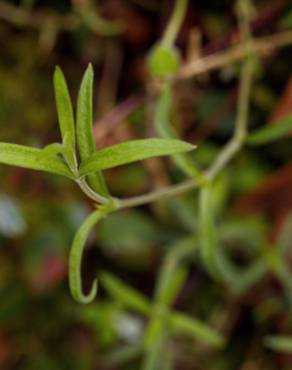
131, 243
165, 130
284, 239
85, 139
279, 343
124, 294
271, 132
12, 223
32, 158
153, 358
286, 20
182, 324
101, 318
133, 229
123, 355
208, 241
170, 282
132, 151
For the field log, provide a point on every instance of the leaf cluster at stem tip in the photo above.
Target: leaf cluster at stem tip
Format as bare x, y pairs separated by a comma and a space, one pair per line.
76, 158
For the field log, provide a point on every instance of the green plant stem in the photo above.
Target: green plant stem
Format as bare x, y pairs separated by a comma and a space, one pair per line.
75, 280
175, 22
165, 130
240, 131
226, 155
91, 194
153, 196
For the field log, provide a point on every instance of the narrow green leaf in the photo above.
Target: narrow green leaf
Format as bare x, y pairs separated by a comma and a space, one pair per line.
32, 158
132, 151
182, 324
170, 282
279, 343
153, 348
75, 281
125, 294
85, 139
65, 116
271, 133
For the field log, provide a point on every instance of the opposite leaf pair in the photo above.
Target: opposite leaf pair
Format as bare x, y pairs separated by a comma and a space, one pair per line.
63, 159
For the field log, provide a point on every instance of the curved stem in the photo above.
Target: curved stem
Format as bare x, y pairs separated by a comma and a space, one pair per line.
75, 258
97, 198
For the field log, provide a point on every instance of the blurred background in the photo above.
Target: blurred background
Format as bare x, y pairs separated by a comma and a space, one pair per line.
41, 327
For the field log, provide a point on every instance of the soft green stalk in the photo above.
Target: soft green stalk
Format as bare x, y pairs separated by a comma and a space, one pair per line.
165, 130
75, 258
175, 23
208, 240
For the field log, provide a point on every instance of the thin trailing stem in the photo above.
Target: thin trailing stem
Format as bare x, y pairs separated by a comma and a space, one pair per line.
237, 141
258, 46
175, 22
246, 79
224, 157
169, 191
91, 194
246, 49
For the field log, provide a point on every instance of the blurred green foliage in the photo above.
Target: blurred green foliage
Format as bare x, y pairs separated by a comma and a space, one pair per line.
40, 325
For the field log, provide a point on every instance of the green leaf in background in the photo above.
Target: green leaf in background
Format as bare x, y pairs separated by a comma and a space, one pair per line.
132, 151
279, 343
101, 318
286, 20
154, 339
182, 324
125, 294
85, 139
32, 158
163, 61
75, 281
65, 116
271, 133
170, 283
133, 242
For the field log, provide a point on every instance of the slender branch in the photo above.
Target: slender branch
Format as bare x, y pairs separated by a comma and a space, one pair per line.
246, 78
235, 144
228, 152
169, 191
91, 194
246, 49
21, 17
175, 22
259, 46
